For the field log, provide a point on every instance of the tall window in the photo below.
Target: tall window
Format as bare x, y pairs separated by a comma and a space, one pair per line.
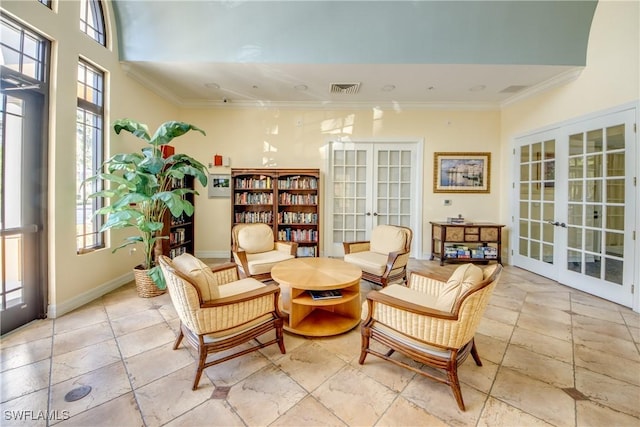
92, 20
89, 155
23, 51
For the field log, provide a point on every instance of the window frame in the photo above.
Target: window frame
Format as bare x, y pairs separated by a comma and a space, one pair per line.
92, 21
85, 227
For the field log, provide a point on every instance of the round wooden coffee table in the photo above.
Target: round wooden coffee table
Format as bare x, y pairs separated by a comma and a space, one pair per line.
318, 317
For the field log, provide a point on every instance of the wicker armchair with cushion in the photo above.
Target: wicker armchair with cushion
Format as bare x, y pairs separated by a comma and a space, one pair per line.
218, 311
430, 321
383, 259
256, 251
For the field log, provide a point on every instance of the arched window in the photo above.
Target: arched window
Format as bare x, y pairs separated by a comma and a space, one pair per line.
92, 20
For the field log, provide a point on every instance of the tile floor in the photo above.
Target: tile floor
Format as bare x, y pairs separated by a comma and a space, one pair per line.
552, 356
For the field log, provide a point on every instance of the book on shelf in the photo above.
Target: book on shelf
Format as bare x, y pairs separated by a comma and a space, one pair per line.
318, 295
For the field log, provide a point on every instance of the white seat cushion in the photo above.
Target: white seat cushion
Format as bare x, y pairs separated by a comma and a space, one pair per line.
405, 294
368, 261
239, 286
387, 238
199, 273
263, 262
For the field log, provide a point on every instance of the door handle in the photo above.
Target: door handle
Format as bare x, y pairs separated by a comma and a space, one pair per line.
558, 224
375, 214
368, 214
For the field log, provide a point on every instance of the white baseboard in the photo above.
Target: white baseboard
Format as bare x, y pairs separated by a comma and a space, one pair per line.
213, 254
57, 310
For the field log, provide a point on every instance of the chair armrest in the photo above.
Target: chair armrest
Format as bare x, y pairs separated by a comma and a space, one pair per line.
240, 257
354, 247
245, 296
289, 247
396, 260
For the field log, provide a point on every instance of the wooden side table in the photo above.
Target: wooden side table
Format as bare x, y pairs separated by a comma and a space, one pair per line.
475, 236
318, 318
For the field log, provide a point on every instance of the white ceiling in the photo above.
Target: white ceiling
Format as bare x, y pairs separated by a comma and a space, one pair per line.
404, 54
483, 86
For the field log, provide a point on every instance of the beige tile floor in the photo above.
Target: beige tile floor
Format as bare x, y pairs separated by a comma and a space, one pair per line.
552, 356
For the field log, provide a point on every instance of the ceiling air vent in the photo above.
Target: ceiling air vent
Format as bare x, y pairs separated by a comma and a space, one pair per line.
349, 88
513, 89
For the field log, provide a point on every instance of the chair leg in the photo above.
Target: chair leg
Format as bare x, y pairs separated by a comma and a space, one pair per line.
364, 346
474, 353
202, 352
176, 344
455, 386
280, 338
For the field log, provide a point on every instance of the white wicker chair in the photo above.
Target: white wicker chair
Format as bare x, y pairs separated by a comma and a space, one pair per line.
384, 258
256, 252
430, 321
239, 311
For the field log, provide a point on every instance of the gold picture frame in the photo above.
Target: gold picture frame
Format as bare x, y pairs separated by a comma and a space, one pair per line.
462, 172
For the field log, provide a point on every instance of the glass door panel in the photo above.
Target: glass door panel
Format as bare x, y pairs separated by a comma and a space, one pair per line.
21, 220
373, 184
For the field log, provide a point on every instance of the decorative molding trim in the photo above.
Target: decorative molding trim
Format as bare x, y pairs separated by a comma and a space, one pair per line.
150, 84
56, 310
559, 80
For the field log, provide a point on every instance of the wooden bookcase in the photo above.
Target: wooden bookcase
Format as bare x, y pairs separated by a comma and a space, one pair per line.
286, 199
181, 230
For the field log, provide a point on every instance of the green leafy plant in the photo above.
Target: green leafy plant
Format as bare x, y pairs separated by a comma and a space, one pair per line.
140, 188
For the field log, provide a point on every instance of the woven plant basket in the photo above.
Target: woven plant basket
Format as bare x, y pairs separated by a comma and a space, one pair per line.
144, 284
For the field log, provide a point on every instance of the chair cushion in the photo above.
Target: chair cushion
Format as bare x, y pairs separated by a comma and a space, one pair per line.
260, 263
239, 286
387, 238
256, 238
463, 278
405, 294
368, 261
199, 273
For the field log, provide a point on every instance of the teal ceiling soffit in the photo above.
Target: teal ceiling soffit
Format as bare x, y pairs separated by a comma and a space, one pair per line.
352, 32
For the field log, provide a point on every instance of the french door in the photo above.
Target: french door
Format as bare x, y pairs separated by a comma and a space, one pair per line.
370, 184
576, 203
22, 207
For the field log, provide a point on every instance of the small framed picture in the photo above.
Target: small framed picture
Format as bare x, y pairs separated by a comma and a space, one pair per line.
219, 185
461, 172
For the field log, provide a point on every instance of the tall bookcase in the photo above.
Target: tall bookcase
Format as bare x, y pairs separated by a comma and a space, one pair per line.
180, 230
286, 199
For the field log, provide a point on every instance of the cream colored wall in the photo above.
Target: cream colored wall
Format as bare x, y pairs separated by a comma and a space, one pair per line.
610, 79
295, 138
76, 279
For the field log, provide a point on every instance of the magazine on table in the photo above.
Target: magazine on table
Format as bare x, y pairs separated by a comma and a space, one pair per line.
334, 293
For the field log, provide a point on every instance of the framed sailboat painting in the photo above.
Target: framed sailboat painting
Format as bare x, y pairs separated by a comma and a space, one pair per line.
461, 172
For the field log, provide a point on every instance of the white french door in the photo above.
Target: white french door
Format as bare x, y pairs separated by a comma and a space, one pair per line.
574, 218
370, 184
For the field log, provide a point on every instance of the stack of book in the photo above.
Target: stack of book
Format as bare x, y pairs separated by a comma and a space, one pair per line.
318, 295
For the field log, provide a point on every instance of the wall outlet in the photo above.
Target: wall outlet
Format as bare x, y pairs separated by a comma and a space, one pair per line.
447, 202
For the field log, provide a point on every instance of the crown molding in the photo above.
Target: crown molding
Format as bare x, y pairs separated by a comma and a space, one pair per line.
150, 84
559, 80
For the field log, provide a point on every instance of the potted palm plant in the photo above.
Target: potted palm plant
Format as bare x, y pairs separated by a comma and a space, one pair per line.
140, 192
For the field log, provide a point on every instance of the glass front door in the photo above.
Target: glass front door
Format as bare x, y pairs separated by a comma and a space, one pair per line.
22, 208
